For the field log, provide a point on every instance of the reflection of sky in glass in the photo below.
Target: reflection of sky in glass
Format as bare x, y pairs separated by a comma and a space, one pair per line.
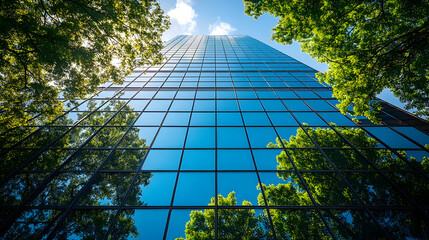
235, 160
178, 220
198, 160
243, 184
199, 194
162, 160
150, 223
231, 137
239, 120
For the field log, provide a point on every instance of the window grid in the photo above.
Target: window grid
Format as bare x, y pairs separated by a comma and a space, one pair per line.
264, 84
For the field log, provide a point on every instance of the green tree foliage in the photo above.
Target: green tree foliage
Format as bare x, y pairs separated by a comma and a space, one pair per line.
107, 188
327, 188
70, 46
369, 46
232, 223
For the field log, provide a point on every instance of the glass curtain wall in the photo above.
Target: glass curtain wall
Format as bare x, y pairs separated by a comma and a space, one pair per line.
227, 139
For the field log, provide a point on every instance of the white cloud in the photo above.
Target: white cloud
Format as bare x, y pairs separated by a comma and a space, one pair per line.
184, 15
221, 28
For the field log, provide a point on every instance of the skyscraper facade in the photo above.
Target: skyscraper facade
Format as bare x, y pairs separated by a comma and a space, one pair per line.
227, 139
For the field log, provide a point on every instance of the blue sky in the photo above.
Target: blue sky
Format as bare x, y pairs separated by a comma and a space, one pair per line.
225, 17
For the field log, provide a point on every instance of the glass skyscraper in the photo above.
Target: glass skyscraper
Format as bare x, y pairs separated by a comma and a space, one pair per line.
228, 139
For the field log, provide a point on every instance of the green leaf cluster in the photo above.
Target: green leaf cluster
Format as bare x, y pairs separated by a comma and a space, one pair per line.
70, 46
327, 189
369, 46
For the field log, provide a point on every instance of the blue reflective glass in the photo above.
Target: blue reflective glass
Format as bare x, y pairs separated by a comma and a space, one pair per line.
203, 119
227, 105
231, 137
185, 94
259, 137
165, 94
309, 118
158, 105
150, 223
266, 94
256, 119
282, 119
324, 94
205, 94
414, 134
181, 105
246, 94
320, 105
266, 159
194, 189
178, 220
145, 94
235, 160
201, 137
337, 118
137, 105
149, 118
296, 105
250, 105
170, 137
286, 94
162, 160
225, 94
198, 160
158, 191
245, 186
306, 94
391, 138
176, 119
273, 105
204, 105
229, 119
286, 132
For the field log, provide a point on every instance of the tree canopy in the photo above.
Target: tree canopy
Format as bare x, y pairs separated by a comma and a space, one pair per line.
106, 189
369, 46
70, 46
327, 189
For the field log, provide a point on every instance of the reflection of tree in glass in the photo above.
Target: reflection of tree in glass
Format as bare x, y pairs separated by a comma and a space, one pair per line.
328, 189
107, 188
232, 223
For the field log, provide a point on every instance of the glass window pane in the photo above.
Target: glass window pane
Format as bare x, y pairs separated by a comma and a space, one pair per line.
296, 105
201, 137
152, 189
198, 160
204, 105
194, 189
235, 160
256, 119
165, 139
181, 105
245, 185
229, 119
227, 105
260, 137
162, 160
176, 119
158, 105
250, 105
231, 137
390, 137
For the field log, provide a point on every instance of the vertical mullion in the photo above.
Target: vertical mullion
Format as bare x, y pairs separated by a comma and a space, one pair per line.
253, 158
121, 205
170, 209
